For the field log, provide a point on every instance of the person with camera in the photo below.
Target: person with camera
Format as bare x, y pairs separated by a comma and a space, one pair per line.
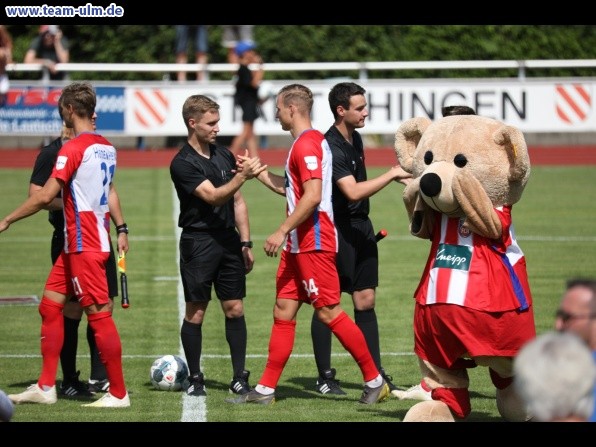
49, 48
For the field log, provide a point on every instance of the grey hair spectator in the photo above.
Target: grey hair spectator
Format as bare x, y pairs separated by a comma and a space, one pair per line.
555, 376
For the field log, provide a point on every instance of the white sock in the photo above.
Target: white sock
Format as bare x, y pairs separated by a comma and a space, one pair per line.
376, 382
262, 389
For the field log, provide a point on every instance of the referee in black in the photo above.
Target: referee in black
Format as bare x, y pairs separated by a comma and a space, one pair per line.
215, 245
358, 256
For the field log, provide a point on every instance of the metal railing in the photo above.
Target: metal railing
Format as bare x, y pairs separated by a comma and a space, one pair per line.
363, 68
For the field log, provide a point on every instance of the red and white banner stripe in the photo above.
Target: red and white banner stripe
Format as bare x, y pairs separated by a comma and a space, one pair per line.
573, 102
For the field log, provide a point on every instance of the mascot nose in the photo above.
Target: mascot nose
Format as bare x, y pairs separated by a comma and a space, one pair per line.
430, 184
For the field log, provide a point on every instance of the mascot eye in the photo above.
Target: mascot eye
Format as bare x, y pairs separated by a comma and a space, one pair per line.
460, 160
428, 157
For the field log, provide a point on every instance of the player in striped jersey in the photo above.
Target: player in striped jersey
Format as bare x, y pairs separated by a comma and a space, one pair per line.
307, 272
83, 173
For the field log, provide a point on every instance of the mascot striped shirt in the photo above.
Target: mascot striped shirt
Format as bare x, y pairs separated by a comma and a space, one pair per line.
469, 270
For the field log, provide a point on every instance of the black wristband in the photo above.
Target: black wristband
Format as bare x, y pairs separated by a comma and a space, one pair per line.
247, 244
122, 228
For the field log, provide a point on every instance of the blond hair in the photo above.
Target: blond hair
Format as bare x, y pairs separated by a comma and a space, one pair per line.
298, 95
196, 106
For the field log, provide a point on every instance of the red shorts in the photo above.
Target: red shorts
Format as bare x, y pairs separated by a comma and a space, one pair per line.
445, 332
310, 277
82, 275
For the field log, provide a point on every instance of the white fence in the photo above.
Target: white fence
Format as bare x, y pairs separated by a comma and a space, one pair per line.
363, 68
153, 108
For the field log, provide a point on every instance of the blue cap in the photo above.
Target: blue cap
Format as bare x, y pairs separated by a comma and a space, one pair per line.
244, 46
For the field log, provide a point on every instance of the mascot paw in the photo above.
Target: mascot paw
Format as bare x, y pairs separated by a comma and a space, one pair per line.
429, 411
415, 392
511, 406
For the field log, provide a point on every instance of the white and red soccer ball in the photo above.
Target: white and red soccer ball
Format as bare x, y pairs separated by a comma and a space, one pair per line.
168, 373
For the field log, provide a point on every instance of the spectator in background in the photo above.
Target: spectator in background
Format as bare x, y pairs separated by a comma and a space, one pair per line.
577, 314
49, 48
183, 33
5, 59
247, 97
232, 36
554, 374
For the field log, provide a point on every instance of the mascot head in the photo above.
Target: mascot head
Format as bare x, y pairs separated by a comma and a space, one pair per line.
438, 154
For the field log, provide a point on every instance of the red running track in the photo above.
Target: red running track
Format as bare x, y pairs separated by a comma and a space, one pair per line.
132, 158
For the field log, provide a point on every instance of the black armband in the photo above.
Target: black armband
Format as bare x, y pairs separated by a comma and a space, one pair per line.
122, 228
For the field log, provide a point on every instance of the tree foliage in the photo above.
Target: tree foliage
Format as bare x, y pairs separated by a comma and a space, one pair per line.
332, 43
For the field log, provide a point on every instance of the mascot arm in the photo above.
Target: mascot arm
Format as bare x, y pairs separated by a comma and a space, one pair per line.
419, 213
481, 218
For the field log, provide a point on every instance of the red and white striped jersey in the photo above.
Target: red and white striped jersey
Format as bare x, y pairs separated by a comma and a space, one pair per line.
469, 270
86, 164
310, 158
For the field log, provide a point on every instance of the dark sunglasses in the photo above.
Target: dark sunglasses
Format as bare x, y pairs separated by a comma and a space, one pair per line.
565, 316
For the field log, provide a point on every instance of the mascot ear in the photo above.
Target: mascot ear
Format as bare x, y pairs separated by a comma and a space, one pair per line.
513, 142
406, 139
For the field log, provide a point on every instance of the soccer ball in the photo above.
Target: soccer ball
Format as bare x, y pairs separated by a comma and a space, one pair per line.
168, 373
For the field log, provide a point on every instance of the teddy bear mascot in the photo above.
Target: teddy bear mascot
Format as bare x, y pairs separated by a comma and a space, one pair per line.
473, 303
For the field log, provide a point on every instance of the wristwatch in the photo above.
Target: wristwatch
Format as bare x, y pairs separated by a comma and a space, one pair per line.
247, 244
122, 228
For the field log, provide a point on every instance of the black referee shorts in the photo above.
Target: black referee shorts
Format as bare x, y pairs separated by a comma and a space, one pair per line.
358, 255
212, 260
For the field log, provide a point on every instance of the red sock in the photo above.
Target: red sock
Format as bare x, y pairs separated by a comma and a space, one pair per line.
110, 350
281, 344
351, 338
457, 399
52, 338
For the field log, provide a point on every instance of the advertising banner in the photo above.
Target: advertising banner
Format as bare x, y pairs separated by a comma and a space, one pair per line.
31, 110
533, 106
155, 109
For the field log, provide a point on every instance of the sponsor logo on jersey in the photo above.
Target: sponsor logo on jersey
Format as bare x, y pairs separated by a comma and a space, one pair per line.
311, 162
456, 257
61, 162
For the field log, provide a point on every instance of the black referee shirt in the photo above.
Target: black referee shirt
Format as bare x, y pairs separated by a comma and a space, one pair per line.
44, 164
347, 160
188, 170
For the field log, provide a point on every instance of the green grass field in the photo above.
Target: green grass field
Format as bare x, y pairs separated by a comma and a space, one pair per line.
556, 226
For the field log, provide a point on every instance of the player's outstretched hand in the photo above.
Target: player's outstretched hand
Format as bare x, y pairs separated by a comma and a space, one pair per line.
400, 175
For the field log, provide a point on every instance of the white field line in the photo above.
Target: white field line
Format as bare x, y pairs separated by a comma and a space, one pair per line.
204, 356
194, 409
403, 238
